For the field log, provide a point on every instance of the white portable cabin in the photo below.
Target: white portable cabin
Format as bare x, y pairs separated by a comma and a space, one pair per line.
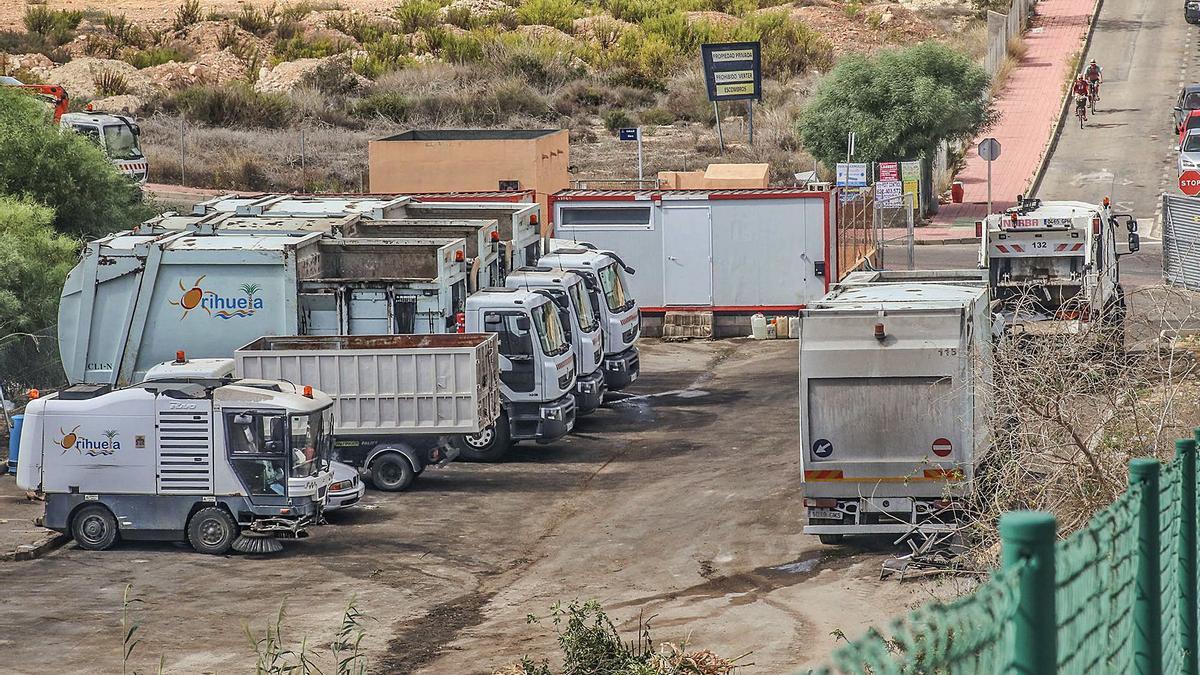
734, 251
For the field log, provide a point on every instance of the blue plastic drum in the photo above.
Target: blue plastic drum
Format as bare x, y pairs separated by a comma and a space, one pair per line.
14, 442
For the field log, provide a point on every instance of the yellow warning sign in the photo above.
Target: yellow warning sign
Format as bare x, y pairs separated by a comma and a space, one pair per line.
742, 89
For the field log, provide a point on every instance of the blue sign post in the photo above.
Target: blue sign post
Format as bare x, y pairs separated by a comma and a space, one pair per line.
633, 134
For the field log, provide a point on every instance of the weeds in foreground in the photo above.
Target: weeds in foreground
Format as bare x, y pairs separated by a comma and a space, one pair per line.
592, 645
186, 14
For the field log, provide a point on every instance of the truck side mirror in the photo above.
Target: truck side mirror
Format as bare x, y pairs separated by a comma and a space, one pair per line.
1135, 242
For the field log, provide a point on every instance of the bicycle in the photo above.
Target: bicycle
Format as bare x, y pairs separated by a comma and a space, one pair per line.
1081, 107
1093, 94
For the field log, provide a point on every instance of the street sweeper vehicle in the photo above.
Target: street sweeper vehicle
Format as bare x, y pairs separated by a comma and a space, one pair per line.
223, 464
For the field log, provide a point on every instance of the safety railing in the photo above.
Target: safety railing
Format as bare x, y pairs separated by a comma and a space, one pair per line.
1117, 596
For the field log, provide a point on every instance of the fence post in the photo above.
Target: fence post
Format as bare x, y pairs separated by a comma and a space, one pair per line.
1185, 452
1147, 603
1029, 536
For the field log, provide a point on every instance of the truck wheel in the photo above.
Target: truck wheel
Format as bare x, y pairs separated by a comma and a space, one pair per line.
212, 531
94, 528
391, 473
831, 539
488, 445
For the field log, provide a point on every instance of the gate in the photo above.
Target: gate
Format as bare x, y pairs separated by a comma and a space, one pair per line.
1181, 241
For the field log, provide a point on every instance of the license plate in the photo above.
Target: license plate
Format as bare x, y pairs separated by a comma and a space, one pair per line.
633, 377
830, 514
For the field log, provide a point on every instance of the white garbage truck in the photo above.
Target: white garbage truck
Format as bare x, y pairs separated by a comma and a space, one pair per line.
222, 463
579, 314
619, 314
893, 370
1053, 266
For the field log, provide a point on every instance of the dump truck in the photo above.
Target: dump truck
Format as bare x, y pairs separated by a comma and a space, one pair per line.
619, 313
892, 417
221, 463
1053, 266
579, 314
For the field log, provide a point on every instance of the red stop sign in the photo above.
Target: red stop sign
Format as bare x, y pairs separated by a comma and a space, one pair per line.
1189, 182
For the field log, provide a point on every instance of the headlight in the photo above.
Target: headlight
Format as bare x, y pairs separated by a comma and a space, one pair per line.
1193, 5
341, 485
551, 413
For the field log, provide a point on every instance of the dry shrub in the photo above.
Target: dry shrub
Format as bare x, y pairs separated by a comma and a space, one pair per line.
1069, 412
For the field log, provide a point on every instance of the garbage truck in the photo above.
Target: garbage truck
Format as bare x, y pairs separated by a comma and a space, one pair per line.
517, 222
580, 319
1053, 266
222, 463
619, 314
136, 299
893, 421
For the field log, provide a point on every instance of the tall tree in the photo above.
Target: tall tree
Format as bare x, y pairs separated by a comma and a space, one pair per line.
900, 104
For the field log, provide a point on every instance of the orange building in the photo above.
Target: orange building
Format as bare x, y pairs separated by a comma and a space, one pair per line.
456, 160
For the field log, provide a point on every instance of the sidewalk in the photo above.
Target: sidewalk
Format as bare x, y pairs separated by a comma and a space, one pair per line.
933, 234
1029, 107
20, 539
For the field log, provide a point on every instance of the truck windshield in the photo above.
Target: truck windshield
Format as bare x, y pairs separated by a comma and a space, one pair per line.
583, 308
549, 330
614, 289
120, 142
312, 441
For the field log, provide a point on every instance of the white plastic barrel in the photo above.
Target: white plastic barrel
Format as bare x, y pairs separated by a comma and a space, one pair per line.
758, 327
794, 327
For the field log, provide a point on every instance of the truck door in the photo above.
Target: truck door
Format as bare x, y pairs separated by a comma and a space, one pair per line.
369, 312
256, 444
319, 314
518, 369
687, 255
184, 445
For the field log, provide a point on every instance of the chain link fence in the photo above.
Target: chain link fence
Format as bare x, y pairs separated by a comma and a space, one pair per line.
1118, 596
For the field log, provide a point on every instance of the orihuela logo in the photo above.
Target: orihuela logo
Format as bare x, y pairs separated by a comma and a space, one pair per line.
220, 306
71, 440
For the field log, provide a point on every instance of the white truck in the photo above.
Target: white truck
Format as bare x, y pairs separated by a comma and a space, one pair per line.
579, 314
1053, 266
619, 314
136, 299
892, 421
222, 463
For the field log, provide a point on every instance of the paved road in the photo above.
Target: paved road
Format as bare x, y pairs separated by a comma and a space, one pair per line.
1126, 150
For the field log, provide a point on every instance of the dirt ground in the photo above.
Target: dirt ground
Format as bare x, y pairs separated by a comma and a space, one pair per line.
679, 501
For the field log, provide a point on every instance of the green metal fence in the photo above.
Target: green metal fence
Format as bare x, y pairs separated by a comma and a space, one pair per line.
1116, 597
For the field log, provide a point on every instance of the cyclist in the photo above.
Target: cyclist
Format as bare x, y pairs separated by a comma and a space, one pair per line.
1080, 90
1094, 75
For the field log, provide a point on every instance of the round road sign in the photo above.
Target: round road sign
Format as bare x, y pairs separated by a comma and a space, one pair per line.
1189, 182
989, 149
822, 448
942, 447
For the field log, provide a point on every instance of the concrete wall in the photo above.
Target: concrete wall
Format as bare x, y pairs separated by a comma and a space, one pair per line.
717, 177
470, 164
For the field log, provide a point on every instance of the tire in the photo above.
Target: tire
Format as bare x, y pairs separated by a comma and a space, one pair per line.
831, 539
212, 530
94, 528
489, 445
391, 472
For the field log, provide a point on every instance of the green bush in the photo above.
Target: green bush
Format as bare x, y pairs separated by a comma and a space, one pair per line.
65, 171
45, 21
657, 116
413, 15
254, 20
391, 52
545, 63
557, 13
388, 105
788, 46
125, 31
187, 13
362, 28
231, 105
618, 119
155, 56
21, 42
637, 11
34, 262
300, 47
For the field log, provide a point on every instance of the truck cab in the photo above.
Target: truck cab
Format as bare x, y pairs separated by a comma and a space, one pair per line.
580, 319
117, 135
619, 314
222, 464
537, 369
1053, 266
